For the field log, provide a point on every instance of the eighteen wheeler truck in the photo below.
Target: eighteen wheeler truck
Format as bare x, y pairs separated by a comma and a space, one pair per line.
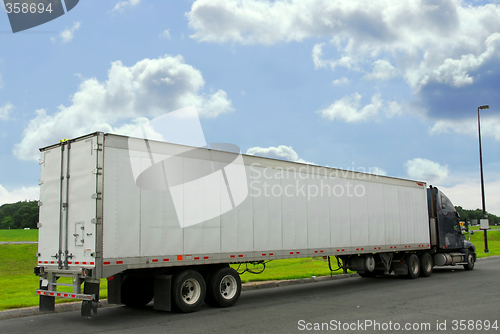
163, 222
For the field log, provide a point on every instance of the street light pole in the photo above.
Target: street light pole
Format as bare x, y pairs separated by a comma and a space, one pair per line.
486, 250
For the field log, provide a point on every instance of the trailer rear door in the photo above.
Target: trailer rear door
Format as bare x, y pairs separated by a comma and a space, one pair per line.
68, 202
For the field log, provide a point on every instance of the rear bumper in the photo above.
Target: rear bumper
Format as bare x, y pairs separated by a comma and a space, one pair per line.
80, 296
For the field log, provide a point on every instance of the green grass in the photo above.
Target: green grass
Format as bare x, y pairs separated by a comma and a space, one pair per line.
289, 269
493, 243
19, 235
18, 283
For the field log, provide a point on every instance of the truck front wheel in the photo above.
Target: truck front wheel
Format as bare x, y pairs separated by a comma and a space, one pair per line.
471, 259
223, 287
188, 291
413, 266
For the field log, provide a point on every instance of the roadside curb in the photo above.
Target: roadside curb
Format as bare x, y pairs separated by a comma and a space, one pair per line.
274, 284
75, 306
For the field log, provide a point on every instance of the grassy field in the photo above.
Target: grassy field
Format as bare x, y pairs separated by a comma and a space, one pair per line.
18, 282
18, 235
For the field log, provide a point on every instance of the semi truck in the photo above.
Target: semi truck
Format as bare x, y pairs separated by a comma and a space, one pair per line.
164, 222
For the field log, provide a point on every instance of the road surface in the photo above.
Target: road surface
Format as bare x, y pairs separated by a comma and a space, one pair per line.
445, 298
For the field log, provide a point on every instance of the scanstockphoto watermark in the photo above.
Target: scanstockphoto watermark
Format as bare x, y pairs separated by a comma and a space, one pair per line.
308, 181
313, 172
296, 189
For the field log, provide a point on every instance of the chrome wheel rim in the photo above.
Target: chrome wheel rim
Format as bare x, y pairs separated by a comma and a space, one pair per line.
228, 287
190, 291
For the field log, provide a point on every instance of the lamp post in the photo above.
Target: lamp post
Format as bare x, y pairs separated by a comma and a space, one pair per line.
486, 250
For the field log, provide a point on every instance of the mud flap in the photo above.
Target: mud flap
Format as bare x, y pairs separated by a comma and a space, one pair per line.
47, 303
90, 306
162, 293
115, 289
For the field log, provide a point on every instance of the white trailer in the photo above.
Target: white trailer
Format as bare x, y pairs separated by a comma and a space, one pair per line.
165, 220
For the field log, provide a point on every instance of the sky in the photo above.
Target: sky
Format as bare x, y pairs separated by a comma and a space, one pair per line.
391, 86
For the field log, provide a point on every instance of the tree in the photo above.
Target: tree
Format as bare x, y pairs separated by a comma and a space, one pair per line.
7, 223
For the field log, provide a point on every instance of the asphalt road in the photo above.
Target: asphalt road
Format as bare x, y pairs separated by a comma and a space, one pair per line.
449, 295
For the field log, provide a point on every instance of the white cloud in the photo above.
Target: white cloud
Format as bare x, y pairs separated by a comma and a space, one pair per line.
444, 49
120, 6
382, 70
281, 152
20, 194
426, 170
341, 81
349, 109
5, 110
150, 88
490, 126
467, 194
166, 34
344, 61
68, 33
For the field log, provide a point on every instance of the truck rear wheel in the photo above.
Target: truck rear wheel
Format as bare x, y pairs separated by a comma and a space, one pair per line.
137, 291
223, 287
188, 291
426, 265
413, 266
471, 260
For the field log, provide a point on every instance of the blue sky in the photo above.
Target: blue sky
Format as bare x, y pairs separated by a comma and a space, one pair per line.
393, 85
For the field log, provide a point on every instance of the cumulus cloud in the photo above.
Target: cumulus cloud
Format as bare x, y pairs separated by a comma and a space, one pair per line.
490, 126
349, 109
467, 194
120, 6
19, 194
166, 34
68, 33
341, 81
382, 70
426, 170
5, 110
129, 96
447, 51
317, 56
281, 152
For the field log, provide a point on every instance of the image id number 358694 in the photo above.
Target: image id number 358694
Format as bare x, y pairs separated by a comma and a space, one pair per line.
474, 325
27, 8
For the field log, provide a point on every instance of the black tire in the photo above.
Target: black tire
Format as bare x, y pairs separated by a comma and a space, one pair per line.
223, 287
426, 265
413, 266
471, 260
137, 291
188, 291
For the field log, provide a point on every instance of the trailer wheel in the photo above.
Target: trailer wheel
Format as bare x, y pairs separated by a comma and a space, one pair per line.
188, 291
137, 291
471, 260
223, 287
413, 266
426, 265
